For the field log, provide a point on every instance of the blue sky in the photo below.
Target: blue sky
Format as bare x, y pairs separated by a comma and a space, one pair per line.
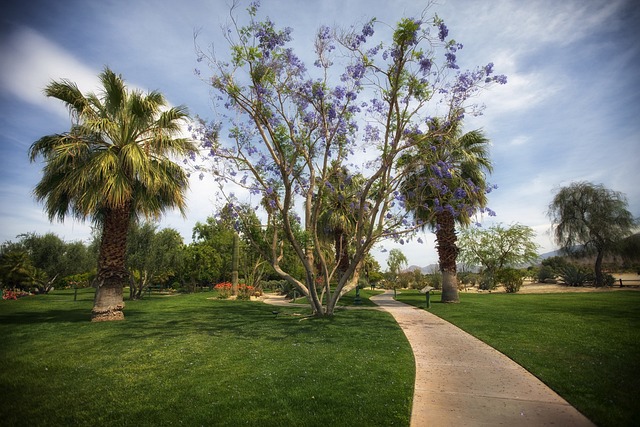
570, 112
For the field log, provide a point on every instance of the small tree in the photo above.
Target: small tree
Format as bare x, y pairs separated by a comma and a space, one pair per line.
396, 261
497, 247
152, 256
590, 218
511, 279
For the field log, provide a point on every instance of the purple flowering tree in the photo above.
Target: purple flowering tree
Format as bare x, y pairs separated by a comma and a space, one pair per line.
445, 183
360, 105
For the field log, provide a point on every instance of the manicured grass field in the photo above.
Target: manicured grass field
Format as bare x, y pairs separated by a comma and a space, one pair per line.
188, 360
349, 299
585, 346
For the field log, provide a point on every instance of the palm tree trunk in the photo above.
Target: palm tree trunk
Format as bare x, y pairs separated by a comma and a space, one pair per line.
342, 253
112, 274
447, 255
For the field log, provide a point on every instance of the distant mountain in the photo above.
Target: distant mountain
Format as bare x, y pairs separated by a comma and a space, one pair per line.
424, 270
550, 254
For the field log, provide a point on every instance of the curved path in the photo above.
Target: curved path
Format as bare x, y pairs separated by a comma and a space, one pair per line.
461, 381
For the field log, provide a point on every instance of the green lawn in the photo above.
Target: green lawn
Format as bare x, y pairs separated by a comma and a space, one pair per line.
585, 346
349, 299
189, 360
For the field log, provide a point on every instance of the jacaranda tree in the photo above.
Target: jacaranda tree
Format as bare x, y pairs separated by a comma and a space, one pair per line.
113, 166
356, 106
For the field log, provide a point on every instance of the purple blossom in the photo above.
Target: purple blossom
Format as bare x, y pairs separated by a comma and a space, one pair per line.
451, 60
443, 31
488, 69
425, 65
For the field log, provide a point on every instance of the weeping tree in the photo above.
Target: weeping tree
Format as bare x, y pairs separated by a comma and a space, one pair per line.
289, 123
113, 166
445, 184
589, 218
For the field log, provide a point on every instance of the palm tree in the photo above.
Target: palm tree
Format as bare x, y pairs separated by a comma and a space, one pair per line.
338, 218
112, 167
445, 183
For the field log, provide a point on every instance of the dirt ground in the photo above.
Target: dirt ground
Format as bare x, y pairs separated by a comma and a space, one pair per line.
546, 288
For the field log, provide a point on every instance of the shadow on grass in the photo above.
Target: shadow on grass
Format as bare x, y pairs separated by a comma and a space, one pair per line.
74, 315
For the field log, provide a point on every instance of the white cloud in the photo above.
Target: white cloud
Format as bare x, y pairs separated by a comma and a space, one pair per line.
30, 62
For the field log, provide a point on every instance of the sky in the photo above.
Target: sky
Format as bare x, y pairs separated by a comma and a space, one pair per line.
569, 112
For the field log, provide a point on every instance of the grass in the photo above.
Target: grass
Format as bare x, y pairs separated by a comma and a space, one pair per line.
585, 346
189, 360
348, 299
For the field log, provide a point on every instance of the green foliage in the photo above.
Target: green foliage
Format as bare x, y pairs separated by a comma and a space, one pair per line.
434, 280
468, 278
546, 274
16, 270
82, 280
39, 262
510, 278
582, 345
575, 275
188, 360
396, 261
153, 257
591, 218
497, 247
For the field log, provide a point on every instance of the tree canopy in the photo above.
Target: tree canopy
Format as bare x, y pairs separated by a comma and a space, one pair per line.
498, 247
357, 106
114, 165
590, 218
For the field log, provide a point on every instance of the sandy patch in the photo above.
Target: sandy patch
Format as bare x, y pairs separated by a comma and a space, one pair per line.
548, 288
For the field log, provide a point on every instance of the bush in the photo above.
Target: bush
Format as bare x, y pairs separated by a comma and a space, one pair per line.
245, 292
609, 280
487, 281
467, 278
272, 285
224, 290
573, 275
511, 279
545, 273
434, 280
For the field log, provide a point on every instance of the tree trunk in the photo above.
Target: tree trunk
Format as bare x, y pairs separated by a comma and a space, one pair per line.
447, 255
342, 252
234, 264
112, 274
598, 269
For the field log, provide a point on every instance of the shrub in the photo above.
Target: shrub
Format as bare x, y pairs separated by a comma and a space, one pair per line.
8, 294
487, 281
434, 280
224, 290
272, 285
573, 275
511, 279
609, 280
287, 289
545, 273
245, 292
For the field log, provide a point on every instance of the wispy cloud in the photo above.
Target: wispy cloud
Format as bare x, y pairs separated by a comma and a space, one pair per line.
30, 62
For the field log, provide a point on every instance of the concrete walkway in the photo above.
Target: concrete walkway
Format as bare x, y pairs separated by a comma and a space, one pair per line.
461, 381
